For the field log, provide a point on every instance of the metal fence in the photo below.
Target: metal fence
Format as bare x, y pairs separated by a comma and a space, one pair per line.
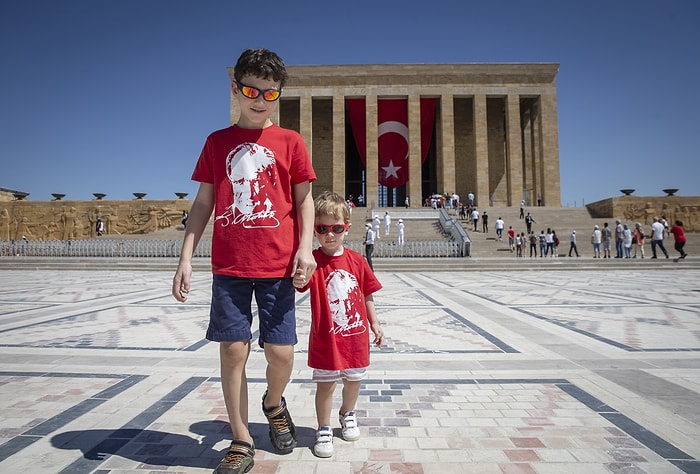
171, 248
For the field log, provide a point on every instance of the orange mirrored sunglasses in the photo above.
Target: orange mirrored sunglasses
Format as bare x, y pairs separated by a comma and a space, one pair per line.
269, 95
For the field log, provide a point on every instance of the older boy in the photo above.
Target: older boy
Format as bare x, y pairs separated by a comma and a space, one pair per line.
256, 178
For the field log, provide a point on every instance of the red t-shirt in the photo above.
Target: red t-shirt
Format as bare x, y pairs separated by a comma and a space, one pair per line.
340, 332
256, 232
678, 233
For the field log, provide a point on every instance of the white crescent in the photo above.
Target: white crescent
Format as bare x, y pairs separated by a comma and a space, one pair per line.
394, 127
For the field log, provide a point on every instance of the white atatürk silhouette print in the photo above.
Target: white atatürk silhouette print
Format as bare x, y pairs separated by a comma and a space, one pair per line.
344, 294
251, 171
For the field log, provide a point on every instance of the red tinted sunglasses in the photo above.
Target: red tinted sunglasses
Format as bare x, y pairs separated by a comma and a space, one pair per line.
335, 228
270, 95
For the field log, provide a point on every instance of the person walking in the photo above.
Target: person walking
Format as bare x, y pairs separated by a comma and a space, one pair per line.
619, 239
572, 243
499, 228
485, 223
342, 316
657, 237
533, 244
607, 240
596, 240
627, 240
369, 244
638, 238
543, 244
679, 238
475, 219
528, 222
255, 179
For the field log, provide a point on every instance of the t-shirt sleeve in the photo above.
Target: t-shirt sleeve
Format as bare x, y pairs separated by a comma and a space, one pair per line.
204, 170
301, 163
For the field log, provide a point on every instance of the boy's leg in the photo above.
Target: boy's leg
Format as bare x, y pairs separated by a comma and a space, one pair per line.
351, 392
280, 362
324, 402
346, 415
234, 356
276, 306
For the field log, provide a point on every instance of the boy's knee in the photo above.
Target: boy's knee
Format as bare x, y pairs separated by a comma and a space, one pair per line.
279, 355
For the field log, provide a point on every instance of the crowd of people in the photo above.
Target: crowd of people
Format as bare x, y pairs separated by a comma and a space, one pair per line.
627, 240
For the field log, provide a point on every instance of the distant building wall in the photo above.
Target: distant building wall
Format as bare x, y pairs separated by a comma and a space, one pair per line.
643, 209
70, 220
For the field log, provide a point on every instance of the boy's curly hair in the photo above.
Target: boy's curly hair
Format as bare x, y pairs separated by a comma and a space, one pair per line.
333, 205
261, 63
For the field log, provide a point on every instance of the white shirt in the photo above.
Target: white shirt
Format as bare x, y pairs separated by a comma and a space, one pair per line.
657, 231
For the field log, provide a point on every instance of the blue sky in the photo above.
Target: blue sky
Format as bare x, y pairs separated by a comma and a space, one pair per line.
118, 96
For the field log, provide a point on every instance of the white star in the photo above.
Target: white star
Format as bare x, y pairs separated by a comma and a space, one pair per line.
391, 170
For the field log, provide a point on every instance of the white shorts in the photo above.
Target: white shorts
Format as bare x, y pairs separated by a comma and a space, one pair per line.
353, 375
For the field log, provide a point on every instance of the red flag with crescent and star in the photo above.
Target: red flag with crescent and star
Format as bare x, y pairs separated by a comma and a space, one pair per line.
392, 135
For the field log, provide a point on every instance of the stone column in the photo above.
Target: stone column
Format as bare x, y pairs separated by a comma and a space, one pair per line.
413, 186
306, 122
481, 193
549, 140
514, 147
372, 152
338, 165
446, 146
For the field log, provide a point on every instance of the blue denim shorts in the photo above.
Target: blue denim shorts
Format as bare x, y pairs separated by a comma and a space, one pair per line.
231, 314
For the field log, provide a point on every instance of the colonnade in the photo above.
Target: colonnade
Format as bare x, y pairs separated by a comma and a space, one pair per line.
495, 128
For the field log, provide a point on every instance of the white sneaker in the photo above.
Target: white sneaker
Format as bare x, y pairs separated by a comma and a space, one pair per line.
350, 430
323, 448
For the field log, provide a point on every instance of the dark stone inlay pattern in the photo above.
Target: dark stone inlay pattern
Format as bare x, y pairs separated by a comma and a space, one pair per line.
52, 424
621, 449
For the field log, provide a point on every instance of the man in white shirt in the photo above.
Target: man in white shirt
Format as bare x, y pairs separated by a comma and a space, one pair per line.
499, 227
657, 237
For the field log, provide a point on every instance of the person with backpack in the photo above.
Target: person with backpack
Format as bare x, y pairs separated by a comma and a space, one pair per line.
533, 244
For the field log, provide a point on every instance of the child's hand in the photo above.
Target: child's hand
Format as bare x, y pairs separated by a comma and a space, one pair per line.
378, 335
299, 280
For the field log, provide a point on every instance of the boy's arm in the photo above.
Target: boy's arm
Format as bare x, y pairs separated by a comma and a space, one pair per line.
374, 321
304, 259
199, 215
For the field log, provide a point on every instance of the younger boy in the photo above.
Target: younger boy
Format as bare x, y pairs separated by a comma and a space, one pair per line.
256, 179
342, 314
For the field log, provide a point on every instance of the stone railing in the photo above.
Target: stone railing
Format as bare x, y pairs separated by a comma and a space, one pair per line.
171, 248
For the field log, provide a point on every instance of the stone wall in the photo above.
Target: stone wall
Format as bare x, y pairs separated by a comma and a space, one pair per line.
70, 220
643, 209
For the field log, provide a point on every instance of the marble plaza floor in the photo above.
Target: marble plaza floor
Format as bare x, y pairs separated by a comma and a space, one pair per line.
540, 371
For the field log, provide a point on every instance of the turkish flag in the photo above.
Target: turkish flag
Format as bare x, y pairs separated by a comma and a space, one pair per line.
392, 135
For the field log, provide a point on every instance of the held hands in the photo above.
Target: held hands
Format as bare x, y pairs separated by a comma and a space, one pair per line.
299, 279
305, 264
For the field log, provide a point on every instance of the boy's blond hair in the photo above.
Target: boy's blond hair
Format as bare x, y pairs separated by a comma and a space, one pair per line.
333, 205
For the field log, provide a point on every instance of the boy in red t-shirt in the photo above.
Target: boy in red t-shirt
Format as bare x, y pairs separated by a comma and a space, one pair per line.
342, 315
256, 179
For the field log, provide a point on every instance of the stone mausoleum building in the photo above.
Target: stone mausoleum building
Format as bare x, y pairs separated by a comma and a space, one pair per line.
387, 132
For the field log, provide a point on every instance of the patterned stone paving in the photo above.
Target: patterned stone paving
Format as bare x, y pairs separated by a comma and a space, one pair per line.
482, 372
